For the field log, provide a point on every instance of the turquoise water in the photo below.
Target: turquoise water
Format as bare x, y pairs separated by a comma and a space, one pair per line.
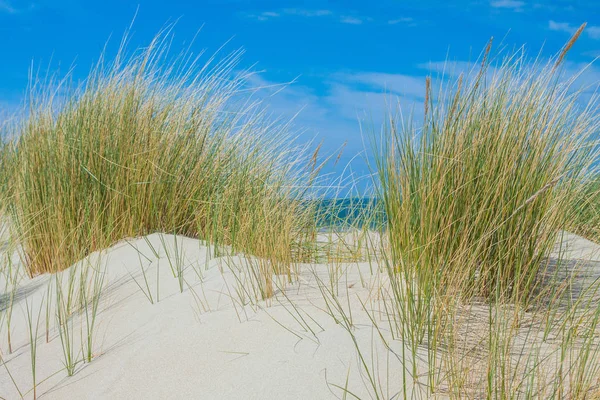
353, 211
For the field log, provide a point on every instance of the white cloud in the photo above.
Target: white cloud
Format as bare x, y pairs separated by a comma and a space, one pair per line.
554, 8
584, 78
400, 20
399, 84
348, 100
306, 13
369, 108
349, 106
592, 31
454, 68
510, 4
264, 16
270, 14
591, 53
267, 15
346, 19
9, 7
6, 7
561, 27
316, 117
288, 100
587, 76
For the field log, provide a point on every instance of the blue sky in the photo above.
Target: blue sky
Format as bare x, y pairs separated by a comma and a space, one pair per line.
342, 55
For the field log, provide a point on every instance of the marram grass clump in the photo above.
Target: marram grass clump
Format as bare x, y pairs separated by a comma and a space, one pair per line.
5, 164
154, 143
476, 197
586, 210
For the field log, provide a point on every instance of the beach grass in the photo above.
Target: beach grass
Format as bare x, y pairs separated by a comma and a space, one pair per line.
476, 197
149, 143
586, 210
6, 152
469, 206
481, 191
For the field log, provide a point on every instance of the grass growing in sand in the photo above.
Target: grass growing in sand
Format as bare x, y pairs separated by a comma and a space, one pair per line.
586, 210
475, 201
153, 143
149, 142
6, 153
478, 195
33, 340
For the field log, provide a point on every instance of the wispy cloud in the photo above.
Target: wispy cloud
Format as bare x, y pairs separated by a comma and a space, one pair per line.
400, 84
403, 20
9, 7
300, 12
334, 112
453, 68
587, 74
347, 19
369, 107
325, 117
583, 77
6, 7
270, 14
308, 13
592, 31
514, 5
561, 27
591, 53
263, 16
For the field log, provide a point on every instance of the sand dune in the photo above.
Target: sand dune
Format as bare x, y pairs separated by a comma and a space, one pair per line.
208, 341
214, 339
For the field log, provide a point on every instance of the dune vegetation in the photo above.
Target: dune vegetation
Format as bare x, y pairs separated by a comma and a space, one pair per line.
586, 210
151, 143
476, 200
473, 295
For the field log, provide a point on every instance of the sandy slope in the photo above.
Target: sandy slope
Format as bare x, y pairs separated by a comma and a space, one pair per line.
202, 343
211, 341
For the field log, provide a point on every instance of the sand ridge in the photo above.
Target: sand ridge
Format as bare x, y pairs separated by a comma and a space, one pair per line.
205, 342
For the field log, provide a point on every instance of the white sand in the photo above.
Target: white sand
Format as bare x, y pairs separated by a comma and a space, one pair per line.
201, 343
210, 341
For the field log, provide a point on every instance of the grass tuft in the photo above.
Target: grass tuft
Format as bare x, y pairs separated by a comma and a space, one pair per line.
150, 143
475, 201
